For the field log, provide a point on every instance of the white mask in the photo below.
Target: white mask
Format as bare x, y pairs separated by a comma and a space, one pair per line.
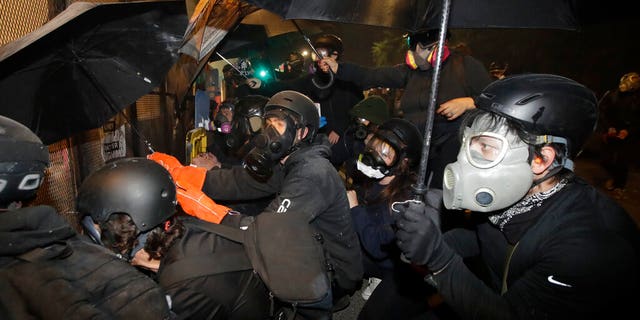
369, 171
491, 173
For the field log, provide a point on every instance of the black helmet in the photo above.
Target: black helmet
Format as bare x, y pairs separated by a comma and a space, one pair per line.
23, 159
404, 137
329, 41
544, 104
138, 187
251, 106
304, 109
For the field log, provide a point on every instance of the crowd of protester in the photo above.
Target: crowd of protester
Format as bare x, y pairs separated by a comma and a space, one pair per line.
309, 194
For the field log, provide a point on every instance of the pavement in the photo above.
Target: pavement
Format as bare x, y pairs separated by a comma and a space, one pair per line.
589, 169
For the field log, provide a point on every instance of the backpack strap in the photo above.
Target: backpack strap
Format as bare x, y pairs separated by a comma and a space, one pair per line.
210, 264
231, 233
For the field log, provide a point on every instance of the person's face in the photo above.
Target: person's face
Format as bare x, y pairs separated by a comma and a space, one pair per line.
279, 124
382, 149
227, 113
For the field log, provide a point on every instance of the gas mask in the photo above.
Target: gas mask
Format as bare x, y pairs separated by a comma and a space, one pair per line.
222, 123
361, 130
270, 147
242, 130
424, 56
371, 162
492, 170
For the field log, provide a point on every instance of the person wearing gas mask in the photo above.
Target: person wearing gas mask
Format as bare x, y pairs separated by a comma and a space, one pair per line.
366, 116
552, 246
238, 121
461, 78
129, 206
334, 101
389, 159
235, 145
47, 269
217, 151
290, 161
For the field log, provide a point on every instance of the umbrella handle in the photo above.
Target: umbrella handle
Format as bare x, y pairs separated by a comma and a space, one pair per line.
325, 86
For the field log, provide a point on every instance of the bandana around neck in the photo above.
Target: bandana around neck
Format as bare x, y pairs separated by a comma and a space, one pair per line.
525, 205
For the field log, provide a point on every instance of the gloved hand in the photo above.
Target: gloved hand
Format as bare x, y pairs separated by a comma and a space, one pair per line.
167, 161
419, 235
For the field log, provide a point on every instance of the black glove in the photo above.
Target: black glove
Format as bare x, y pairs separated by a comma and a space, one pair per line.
419, 235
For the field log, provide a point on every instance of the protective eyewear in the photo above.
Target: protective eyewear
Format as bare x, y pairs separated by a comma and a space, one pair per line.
486, 149
377, 151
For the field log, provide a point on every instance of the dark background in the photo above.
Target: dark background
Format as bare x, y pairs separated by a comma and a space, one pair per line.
605, 47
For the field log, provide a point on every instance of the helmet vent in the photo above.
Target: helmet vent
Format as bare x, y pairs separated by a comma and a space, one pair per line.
529, 99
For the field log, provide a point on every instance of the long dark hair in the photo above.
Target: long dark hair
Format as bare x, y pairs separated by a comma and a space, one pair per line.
399, 188
120, 234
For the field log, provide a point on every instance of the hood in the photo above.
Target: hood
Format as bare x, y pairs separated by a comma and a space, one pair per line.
28, 228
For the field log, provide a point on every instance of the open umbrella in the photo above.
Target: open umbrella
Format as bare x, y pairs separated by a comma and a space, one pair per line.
412, 15
210, 23
88, 63
230, 28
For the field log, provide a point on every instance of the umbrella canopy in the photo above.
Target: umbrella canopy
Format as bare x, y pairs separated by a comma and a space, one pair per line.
412, 15
231, 28
88, 63
210, 23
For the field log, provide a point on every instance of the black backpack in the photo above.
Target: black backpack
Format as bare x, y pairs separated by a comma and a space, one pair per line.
75, 279
296, 275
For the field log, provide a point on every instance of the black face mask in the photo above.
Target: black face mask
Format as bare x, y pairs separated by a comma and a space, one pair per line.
359, 129
238, 135
222, 123
269, 147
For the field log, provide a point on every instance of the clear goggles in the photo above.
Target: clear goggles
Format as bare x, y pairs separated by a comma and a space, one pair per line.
485, 149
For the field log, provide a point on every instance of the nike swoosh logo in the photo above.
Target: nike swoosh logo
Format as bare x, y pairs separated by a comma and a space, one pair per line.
554, 281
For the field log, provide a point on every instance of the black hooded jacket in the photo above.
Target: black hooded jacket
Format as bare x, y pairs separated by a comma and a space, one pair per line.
308, 190
578, 260
48, 272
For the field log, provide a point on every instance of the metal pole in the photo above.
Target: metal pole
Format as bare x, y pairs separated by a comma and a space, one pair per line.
313, 80
420, 189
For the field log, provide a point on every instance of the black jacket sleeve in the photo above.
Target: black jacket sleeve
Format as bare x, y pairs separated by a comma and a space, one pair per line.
366, 78
236, 183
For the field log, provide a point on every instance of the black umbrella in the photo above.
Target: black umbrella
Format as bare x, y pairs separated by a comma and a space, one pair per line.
88, 63
412, 15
